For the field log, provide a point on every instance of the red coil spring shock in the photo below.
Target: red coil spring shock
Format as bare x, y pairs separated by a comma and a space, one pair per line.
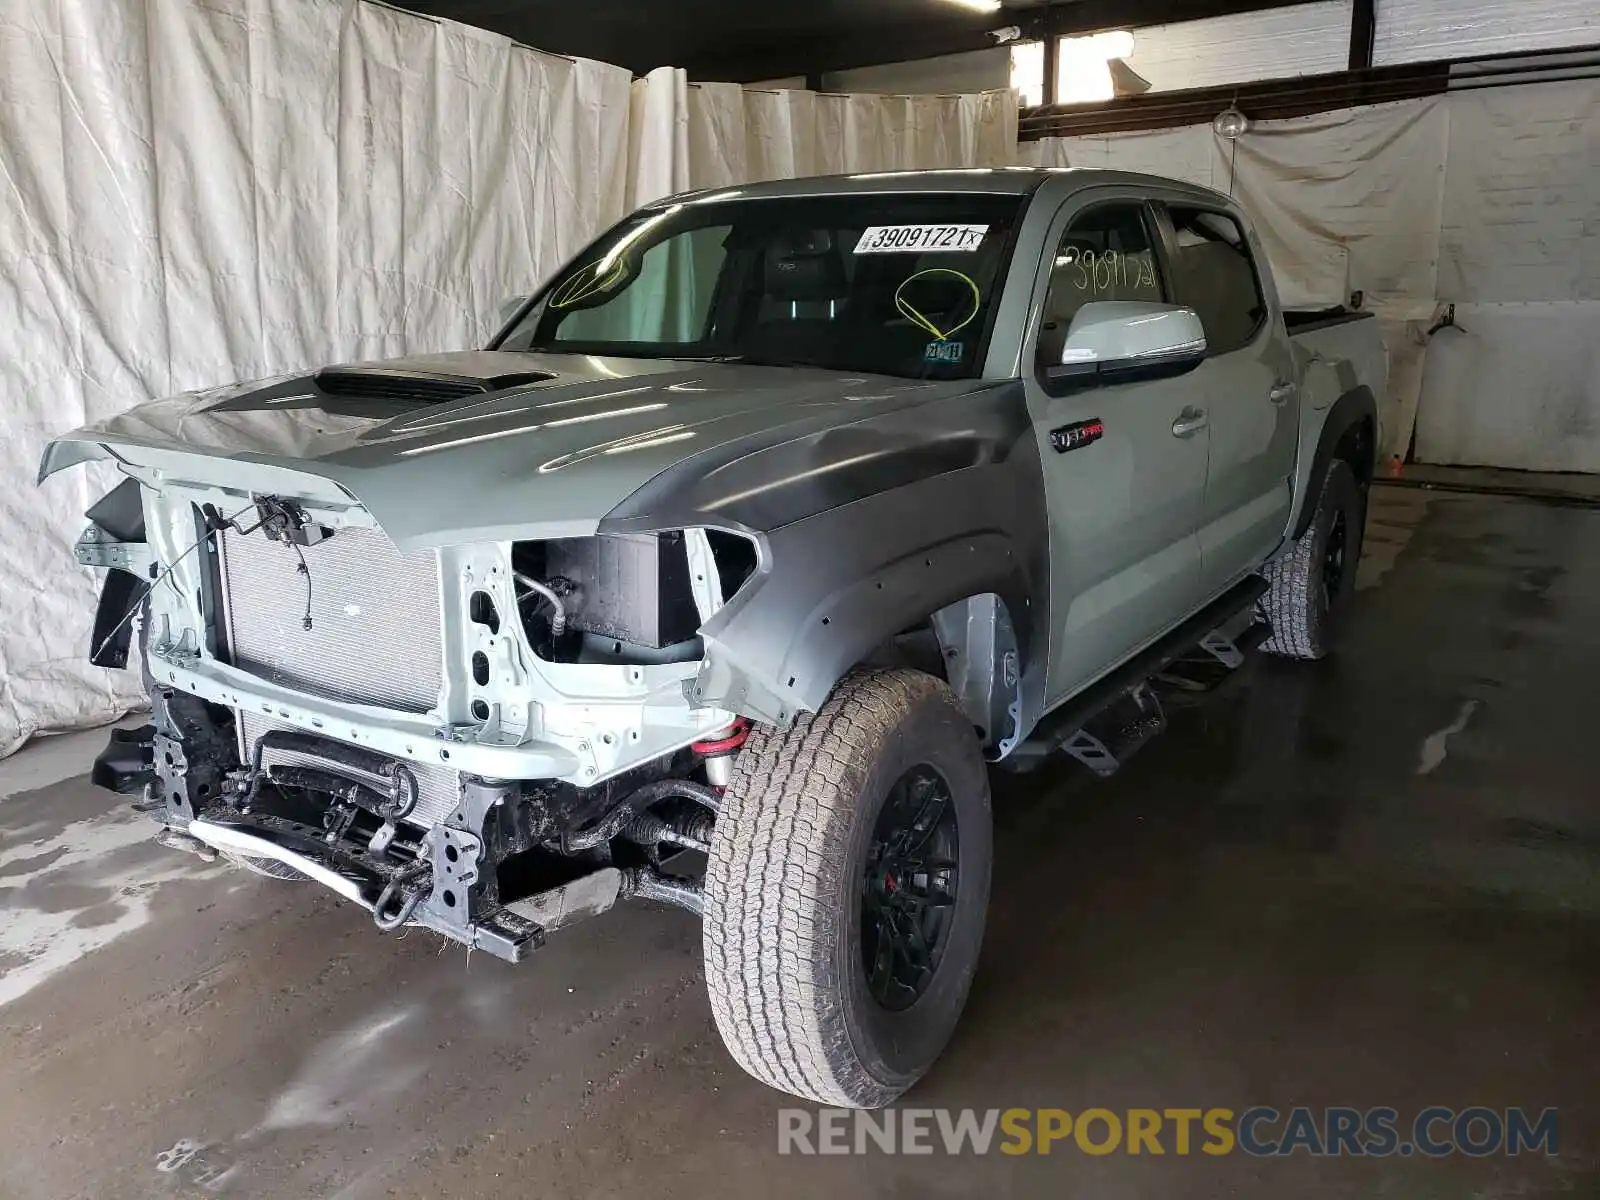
718, 752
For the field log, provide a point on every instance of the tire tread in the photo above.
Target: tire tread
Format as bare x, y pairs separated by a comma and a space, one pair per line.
1291, 605
779, 848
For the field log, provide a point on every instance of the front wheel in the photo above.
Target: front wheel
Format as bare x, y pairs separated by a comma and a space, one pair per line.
1310, 585
846, 891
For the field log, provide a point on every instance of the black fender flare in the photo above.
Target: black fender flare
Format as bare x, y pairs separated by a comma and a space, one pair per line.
780, 648
1349, 411
849, 624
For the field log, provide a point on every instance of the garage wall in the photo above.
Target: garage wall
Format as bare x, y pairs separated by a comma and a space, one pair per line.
1432, 30
1343, 201
736, 136
1186, 153
1517, 383
974, 71
1305, 39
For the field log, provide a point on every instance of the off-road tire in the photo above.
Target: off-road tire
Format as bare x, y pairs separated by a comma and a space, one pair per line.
784, 886
1304, 614
270, 867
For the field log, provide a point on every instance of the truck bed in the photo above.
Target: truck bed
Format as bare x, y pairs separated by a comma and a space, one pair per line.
1338, 333
1308, 320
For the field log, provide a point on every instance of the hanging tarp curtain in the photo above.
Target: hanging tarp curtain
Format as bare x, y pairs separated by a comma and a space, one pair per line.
1343, 202
1486, 200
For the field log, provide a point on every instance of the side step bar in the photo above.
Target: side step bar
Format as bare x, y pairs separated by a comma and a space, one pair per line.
1063, 728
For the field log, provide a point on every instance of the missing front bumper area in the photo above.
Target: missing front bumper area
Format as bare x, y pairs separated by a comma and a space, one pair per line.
503, 867
397, 893
411, 895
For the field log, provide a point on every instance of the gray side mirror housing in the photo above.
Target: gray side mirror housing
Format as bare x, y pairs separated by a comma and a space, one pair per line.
1121, 341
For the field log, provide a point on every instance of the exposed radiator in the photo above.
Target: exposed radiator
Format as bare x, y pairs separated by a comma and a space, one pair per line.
438, 788
375, 618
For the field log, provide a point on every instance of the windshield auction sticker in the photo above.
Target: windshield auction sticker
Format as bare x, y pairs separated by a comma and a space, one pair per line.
921, 239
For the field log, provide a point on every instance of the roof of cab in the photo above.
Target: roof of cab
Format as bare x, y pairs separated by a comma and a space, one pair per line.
1005, 181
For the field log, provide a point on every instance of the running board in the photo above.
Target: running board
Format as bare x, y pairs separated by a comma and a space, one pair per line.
1064, 727
1112, 736
1219, 654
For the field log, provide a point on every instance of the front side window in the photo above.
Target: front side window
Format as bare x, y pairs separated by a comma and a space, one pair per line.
1106, 254
1213, 273
901, 284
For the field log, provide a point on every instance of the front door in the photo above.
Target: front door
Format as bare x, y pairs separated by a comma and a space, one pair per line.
1124, 466
1246, 385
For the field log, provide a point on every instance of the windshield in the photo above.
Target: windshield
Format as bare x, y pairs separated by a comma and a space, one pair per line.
891, 284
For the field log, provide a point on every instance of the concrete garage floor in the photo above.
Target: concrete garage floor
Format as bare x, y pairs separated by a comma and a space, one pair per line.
1368, 882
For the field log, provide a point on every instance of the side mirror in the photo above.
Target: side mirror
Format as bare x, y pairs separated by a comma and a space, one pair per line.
1121, 341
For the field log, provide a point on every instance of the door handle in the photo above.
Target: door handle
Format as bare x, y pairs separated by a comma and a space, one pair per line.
1190, 422
1281, 392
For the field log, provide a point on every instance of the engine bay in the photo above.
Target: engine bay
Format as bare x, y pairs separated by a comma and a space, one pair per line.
626, 598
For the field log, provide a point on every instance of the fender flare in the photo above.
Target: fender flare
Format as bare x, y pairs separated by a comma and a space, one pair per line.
1346, 413
751, 667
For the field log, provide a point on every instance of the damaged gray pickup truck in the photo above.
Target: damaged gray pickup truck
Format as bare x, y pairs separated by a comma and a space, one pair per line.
722, 575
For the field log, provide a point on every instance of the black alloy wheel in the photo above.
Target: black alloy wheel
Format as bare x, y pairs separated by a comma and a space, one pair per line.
1333, 559
909, 888
841, 933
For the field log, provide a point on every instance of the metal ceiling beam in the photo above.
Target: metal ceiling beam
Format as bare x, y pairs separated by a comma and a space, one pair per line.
906, 42
1363, 34
1275, 99
1089, 16
1268, 99
1052, 69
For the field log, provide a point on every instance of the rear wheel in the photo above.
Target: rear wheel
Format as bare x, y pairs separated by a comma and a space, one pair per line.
847, 889
1311, 584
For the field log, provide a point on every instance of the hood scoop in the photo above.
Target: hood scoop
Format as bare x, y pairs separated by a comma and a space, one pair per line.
415, 387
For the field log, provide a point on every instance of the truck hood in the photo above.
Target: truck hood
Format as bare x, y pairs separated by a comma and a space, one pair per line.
484, 445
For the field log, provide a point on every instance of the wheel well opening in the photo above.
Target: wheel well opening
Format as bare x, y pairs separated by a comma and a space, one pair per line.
1357, 446
915, 647
972, 646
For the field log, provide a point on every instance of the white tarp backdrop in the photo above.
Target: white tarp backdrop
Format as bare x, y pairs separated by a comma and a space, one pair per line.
1344, 201
194, 194
1488, 200
1517, 382
199, 193
724, 134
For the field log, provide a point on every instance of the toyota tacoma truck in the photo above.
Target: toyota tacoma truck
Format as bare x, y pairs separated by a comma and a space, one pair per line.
723, 574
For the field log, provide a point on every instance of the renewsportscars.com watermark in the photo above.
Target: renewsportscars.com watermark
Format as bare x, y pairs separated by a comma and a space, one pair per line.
1434, 1132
